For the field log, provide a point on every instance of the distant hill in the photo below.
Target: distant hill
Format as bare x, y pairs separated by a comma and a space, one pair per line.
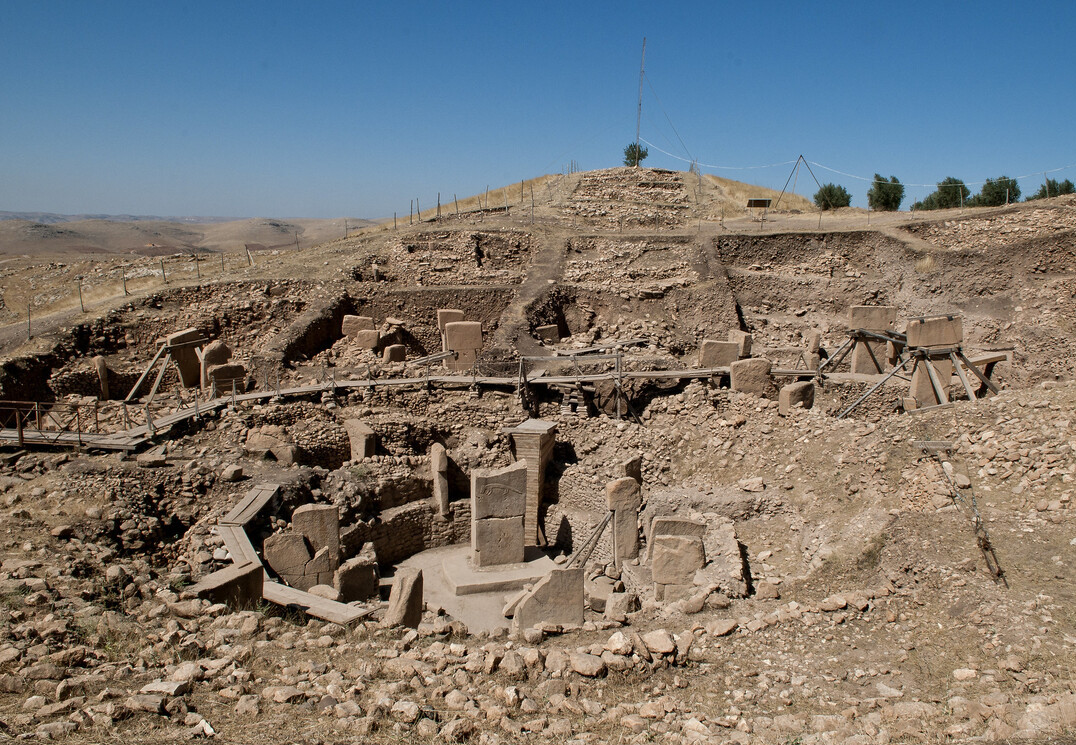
52, 218
149, 236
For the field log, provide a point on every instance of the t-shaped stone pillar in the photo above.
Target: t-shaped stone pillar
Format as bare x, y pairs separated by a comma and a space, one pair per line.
533, 440
624, 498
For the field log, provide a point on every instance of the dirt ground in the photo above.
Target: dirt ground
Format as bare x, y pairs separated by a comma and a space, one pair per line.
871, 615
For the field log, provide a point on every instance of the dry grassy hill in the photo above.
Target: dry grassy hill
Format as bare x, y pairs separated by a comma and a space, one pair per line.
154, 237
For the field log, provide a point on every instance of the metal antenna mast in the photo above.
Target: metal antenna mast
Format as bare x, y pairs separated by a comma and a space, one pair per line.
639, 117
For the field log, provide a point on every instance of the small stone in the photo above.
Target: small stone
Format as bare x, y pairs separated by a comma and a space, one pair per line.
766, 590
722, 627
587, 665
231, 473
406, 712
659, 642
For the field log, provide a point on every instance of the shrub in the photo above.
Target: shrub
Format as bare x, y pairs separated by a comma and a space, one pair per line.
832, 196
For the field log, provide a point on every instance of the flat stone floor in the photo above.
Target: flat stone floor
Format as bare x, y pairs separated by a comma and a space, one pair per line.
485, 591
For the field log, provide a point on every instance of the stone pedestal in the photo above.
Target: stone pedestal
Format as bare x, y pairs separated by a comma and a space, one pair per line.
498, 502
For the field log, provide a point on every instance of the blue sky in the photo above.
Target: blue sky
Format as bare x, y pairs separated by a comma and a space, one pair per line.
327, 109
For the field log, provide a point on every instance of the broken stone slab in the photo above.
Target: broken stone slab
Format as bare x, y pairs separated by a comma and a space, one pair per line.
362, 439
358, 578
619, 605
714, 353
351, 325
232, 473
320, 525
216, 353
726, 568
549, 333
752, 376
394, 353
795, 394
631, 468
405, 599
557, 598
325, 591
671, 525
287, 554
151, 459
742, 340
226, 375
676, 559
237, 586
366, 339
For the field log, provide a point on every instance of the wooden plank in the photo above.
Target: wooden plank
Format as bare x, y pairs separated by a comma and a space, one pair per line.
254, 500
327, 610
266, 493
238, 544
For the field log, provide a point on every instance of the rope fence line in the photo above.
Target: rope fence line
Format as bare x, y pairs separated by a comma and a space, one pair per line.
865, 179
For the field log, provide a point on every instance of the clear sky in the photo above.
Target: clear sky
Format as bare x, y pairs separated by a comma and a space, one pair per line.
327, 109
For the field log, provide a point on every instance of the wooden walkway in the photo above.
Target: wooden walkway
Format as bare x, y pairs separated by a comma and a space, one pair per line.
133, 438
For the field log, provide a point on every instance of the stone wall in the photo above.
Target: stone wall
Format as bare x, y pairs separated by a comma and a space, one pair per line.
410, 529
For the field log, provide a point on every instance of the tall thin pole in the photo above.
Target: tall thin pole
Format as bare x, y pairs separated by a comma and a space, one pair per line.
639, 117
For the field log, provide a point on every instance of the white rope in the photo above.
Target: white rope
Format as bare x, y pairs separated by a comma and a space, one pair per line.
707, 165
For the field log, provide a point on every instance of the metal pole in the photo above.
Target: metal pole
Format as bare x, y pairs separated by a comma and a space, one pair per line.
124, 274
164, 278
28, 335
197, 269
639, 116
81, 304
222, 262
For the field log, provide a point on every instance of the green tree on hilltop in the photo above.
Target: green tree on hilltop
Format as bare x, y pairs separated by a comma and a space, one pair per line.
952, 192
885, 196
832, 196
635, 154
996, 192
1053, 189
